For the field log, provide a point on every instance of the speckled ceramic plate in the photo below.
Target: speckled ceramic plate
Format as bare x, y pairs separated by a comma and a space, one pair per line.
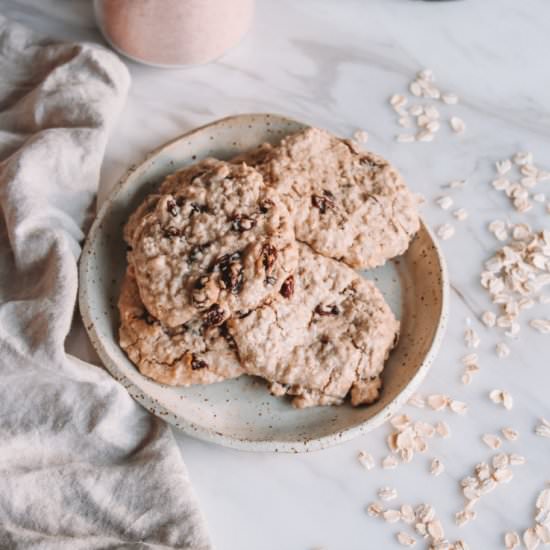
241, 413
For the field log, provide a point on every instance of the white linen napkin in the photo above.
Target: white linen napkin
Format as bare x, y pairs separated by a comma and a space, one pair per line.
82, 466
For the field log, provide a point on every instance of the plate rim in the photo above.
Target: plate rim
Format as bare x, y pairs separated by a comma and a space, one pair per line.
211, 435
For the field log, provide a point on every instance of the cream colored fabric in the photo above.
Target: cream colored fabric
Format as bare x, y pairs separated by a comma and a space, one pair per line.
82, 466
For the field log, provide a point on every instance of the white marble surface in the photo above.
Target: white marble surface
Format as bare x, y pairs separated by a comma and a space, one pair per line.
334, 64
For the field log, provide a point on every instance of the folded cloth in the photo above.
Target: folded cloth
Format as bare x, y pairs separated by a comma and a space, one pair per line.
82, 466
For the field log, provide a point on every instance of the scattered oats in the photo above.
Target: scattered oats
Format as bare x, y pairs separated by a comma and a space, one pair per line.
405, 539
404, 121
514, 330
423, 120
420, 445
496, 396
469, 481
445, 202
542, 325
501, 184
471, 493
487, 486
407, 514
366, 460
517, 460
360, 136
433, 126
425, 135
522, 205
503, 350
445, 231
438, 402
405, 439
391, 516
464, 516
405, 138
449, 98
503, 167
375, 509
398, 101
458, 407
528, 181
461, 545
492, 441
416, 110
543, 428
520, 159
482, 470
416, 400
456, 184
503, 475
498, 229
543, 500
424, 429
529, 170
457, 124
521, 231
436, 467
543, 532
406, 455
471, 339
400, 421
390, 462
466, 378
510, 434
500, 460
387, 494
442, 429
420, 528
460, 214
489, 319
415, 89
432, 93
435, 530
502, 397
507, 400
511, 540
432, 112
470, 359
424, 513
531, 539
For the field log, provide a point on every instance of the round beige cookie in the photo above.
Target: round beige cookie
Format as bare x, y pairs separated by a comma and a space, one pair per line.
216, 242
180, 356
326, 335
346, 204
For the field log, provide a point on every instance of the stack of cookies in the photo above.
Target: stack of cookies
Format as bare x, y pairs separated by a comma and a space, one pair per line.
248, 267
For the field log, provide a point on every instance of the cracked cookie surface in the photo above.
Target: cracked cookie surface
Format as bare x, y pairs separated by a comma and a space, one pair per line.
346, 204
326, 335
180, 356
214, 242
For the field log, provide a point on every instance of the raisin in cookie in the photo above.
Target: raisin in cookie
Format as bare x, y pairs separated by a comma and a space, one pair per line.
215, 242
326, 335
346, 204
180, 356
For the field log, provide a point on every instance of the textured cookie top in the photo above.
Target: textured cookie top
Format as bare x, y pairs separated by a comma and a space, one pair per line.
216, 241
181, 356
346, 204
327, 333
